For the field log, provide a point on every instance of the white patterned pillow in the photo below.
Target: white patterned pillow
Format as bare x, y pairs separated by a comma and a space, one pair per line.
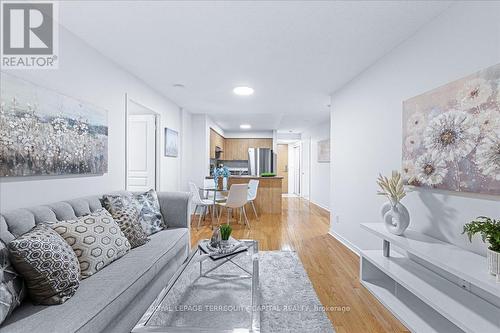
96, 239
11, 285
124, 211
47, 263
149, 212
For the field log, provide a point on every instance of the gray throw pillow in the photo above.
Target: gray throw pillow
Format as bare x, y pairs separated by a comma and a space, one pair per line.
47, 263
96, 240
149, 212
125, 213
11, 285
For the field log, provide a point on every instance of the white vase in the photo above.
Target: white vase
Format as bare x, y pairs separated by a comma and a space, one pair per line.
396, 217
493, 258
224, 183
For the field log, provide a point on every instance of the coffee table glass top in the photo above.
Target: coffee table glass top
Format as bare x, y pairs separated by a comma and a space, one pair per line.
208, 295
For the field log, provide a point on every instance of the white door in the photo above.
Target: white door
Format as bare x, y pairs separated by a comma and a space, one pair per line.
141, 152
297, 170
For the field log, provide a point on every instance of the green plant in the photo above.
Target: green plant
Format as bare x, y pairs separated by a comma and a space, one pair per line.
225, 231
392, 188
267, 174
488, 228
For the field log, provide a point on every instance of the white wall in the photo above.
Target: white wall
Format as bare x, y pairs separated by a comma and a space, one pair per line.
87, 75
186, 150
317, 174
366, 125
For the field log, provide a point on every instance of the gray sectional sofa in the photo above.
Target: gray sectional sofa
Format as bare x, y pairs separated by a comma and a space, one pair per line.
113, 299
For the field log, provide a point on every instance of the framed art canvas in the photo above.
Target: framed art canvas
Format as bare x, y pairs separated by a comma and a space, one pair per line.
44, 133
171, 143
451, 135
324, 151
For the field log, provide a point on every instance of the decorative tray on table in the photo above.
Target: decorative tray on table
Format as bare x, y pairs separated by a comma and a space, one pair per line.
220, 250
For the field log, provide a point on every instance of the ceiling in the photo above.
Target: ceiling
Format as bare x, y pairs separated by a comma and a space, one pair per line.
294, 54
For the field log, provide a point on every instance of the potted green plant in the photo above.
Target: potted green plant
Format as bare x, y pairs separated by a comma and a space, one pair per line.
225, 232
489, 229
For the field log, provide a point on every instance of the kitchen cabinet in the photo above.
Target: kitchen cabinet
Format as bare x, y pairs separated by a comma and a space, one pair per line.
260, 143
236, 149
216, 140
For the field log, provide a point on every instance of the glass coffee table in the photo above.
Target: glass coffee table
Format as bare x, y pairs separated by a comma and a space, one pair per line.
209, 295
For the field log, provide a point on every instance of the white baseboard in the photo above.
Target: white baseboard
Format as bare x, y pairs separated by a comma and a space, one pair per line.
321, 206
345, 242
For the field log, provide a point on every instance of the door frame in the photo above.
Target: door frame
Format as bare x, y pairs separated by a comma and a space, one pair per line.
157, 116
297, 168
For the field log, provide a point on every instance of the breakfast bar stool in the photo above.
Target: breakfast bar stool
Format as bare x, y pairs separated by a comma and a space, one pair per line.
236, 199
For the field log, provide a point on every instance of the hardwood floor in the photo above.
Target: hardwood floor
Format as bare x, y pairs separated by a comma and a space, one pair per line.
332, 268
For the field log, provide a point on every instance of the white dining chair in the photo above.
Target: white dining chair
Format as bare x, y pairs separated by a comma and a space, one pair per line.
209, 183
236, 199
253, 186
199, 202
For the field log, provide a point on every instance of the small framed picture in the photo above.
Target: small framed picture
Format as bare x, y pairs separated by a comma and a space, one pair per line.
171, 143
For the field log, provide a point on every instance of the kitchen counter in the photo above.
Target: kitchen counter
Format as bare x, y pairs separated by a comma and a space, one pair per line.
268, 199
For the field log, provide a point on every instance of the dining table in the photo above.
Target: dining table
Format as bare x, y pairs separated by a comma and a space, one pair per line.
207, 189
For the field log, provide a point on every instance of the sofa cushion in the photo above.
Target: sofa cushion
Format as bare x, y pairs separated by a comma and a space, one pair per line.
96, 240
104, 295
124, 211
47, 263
149, 212
11, 284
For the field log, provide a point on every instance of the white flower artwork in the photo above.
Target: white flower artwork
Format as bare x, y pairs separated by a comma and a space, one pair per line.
488, 156
451, 135
474, 93
430, 169
44, 133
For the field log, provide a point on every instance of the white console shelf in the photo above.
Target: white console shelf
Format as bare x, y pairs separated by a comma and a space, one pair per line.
465, 300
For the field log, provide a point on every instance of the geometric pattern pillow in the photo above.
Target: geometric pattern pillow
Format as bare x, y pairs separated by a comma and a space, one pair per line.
96, 240
124, 211
12, 288
47, 263
149, 212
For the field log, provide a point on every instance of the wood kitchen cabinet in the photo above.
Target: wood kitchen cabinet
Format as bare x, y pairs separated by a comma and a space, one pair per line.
216, 140
260, 143
235, 149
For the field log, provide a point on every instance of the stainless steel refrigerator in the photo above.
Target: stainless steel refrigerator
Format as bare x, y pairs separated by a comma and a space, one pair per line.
261, 160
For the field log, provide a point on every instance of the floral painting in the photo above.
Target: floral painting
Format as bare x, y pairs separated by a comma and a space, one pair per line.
451, 135
46, 133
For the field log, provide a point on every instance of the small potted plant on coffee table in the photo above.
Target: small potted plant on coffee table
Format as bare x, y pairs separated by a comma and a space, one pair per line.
225, 232
490, 231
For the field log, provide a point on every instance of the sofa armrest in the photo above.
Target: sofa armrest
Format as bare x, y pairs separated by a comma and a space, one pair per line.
175, 208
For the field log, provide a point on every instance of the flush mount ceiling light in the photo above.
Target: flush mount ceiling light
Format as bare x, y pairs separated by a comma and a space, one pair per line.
245, 126
243, 91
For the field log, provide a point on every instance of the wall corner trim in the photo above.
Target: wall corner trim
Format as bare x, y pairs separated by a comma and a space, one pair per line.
345, 242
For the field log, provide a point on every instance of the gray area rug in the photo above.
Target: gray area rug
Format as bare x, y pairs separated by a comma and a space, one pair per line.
288, 300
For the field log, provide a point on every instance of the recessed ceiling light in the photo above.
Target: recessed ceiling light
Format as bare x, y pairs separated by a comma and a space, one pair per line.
245, 126
243, 91
178, 85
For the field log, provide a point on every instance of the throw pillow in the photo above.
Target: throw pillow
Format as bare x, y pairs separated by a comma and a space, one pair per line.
96, 240
11, 285
125, 213
47, 263
149, 212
